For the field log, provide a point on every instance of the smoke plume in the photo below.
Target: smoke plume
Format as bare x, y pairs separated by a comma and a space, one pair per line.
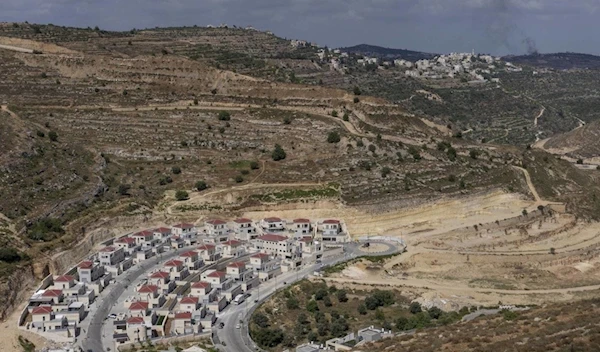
502, 31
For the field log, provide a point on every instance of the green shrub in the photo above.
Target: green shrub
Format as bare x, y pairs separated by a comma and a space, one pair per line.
53, 136
333, 137
181, 195
201, 185
224, 116
176, 170
278, 153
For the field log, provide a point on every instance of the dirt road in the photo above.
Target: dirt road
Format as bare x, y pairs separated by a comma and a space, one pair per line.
536, 196
535, 121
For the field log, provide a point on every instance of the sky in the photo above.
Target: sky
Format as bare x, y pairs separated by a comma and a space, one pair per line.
497, 27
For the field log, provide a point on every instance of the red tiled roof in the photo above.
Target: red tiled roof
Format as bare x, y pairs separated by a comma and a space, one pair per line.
52, 293
189, 254
138, 306
260, 255
216, 222
86, 264
162, 230
301, 221
42, 310
125, 240
272, 238
184, 226
206, 247
232, 243
273, 219
331, 221
144, 233
306, 239
236, 265
159, 275
64, 278
216, 274
242, 221
201, 284
189, 300
174, 263
184, 315
108, 249
135, 320
148, 289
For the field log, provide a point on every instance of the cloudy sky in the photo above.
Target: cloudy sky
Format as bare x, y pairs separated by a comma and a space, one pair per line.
487, 26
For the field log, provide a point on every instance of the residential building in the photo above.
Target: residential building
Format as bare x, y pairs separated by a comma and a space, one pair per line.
232, 248
273, 244
162, 279
89, 271
189, 303
56, 296
40, 315
244, 230
192, 260
236, 270
208, 253
162, 234
184, 230
138, 330
145, 238
331, 231
216, 228
309, 246
371, 334
272, 224
309, 347
203, 290
258, 260
111, 256
177, 270
182, 324
63, 282
301, 227
216, 278
128, 244
151, 295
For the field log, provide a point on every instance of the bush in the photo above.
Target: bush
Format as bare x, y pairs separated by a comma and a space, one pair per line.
261, 320
415, 307
346, 117
53, 136
341, 296
9, 255
278, 153
287, 120
312, 306
321, 293
40, 134
372, 148
451, 153
333, 137
385, 171
580, 161
165, 180
214, 91
415, 153
434, 312
452, 178
176, 170
201, 185
371, 303
334, 113
362, 309
224, 116
124, 189
239, 179
327, 301
292, 303
181, 195
195, 101
509, 315
244, 172
254, 165
357, 91
356, 100
268, 337
474, 154
45, 230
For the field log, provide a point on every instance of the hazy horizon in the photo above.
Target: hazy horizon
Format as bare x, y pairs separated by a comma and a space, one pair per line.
497, 27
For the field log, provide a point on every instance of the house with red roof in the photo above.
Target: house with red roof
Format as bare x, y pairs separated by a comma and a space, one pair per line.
217, 228
236, 270
232, 248
56, 296
110, 256
208, 253
89, 272
177, 269
203, 290
215, 277
244, 229
332, 231
151, 294
301, 227
41, 314
272, 224
257, 260
274, 244
182, 324
184, 230
144, 238
309, 246
162, 279
189, 303
137, 329
162, 233
63, 282
142, 310
192, 260
128, 244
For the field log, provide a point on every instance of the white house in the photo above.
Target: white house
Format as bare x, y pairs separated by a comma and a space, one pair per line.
272, 224
244, 230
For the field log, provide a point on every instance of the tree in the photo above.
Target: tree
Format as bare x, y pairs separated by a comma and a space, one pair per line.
371, 303
474, 154
372, 148
124, 92
9, 255
124, 189
239, 179
415, 307
312, 336
434, 312
524, 212
278, 153
379, 315
333, 137
287, 120
339, 327
346, 117
176, 170
201, 185
224, 116
385, 171
415, 153
303, 319
268, 337
580, 161
452, 178
341, 296
401, 323
214, 91
292, 303
552, 250
451, 152
312, 306
254, 165
53, 136
362, 309
181, 195
356, 100
260, 320
327, 301
40, 134
321, 293
334, 113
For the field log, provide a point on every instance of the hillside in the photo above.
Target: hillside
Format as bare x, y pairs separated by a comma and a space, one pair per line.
387, 53
557, 61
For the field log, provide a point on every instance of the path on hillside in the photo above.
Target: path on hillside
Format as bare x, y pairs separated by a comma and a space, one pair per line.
535, 121
17, 49
536, 196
